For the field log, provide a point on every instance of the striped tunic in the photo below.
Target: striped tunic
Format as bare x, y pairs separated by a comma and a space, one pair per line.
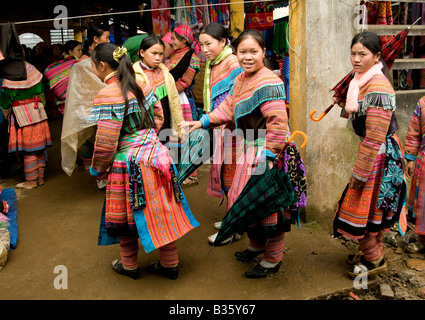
257, 103
29, 130
142, 198
184, 83
414, 148
376, 206
225, 152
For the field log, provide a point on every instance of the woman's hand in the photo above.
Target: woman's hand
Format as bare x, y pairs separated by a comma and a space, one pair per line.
339, 102
409, 168
270, 163
353, 183
6, 113
190, 125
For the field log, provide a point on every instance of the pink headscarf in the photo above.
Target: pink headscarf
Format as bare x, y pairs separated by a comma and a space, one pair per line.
186, 32
167, 38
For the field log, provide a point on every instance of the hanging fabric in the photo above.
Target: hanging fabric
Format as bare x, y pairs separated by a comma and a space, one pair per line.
161, 19
259, 15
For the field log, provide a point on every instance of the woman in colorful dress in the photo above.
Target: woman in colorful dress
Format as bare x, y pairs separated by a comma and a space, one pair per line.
257, 102
168, 47
150, 69
142, 198
373, 198
414, 169
184, 65
221, 69
29, 131
58, 72
77, 133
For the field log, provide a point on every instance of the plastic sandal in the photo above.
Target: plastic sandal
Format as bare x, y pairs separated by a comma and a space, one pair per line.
367, 268
189, 181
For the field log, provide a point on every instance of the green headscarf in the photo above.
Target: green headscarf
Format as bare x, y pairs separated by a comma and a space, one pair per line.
132, 45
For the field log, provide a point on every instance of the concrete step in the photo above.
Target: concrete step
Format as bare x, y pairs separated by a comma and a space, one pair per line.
415, 63
392, 30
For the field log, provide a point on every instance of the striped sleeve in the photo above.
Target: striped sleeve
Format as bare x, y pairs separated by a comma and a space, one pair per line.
276, 125
106, 143
186, 80
377, 124
223, 113
414, 133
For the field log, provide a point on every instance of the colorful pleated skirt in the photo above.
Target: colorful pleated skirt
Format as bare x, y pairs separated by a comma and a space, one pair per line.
359, 211
29, 139
416, 203
156, 211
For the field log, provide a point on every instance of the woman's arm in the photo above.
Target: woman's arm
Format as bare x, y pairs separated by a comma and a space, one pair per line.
377, 124
105, 145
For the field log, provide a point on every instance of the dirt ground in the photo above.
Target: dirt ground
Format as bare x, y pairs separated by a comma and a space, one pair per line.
58, 225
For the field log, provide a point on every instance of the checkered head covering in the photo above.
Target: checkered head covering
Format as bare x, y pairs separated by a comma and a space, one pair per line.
186, 32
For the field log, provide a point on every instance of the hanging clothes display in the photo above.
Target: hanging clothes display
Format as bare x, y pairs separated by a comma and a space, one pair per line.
380, 12
161, 19
259, 15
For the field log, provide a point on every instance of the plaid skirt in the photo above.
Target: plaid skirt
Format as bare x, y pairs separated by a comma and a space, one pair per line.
282, 220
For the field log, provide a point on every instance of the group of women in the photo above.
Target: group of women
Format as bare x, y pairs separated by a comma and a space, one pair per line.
142, 97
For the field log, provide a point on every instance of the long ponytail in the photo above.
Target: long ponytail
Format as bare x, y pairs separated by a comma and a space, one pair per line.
125, 75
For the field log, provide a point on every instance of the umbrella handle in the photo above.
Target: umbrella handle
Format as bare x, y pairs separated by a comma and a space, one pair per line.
293, 136
324, 113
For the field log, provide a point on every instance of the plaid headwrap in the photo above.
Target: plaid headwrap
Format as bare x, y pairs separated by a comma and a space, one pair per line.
186, 32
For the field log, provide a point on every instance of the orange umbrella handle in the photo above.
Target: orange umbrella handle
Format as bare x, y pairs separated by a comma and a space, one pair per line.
293, 136
324, 113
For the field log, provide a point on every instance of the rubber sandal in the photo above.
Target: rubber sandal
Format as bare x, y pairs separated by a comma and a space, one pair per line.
190, 181
258, 271
229, 240
417, 247
353, 259
367, 268
119, 268
247, 255
25, 185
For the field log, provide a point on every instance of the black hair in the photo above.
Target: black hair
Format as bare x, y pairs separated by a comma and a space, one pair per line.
373, 43
216, 30
181, 38
250, 33
92, 31
70, 45
125, 74
150, 41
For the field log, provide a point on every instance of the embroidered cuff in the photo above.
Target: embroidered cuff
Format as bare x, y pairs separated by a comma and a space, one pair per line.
94, 172
205, 121
359, 178
409, 157
267, 154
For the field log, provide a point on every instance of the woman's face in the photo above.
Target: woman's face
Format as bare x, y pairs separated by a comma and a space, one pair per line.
210, 46
176, 43
168, 50
77, 52
153, 56
250, 55
102, 39
362, 58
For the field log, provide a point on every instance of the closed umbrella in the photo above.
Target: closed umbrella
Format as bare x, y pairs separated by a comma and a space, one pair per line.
390, 52
263, 195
